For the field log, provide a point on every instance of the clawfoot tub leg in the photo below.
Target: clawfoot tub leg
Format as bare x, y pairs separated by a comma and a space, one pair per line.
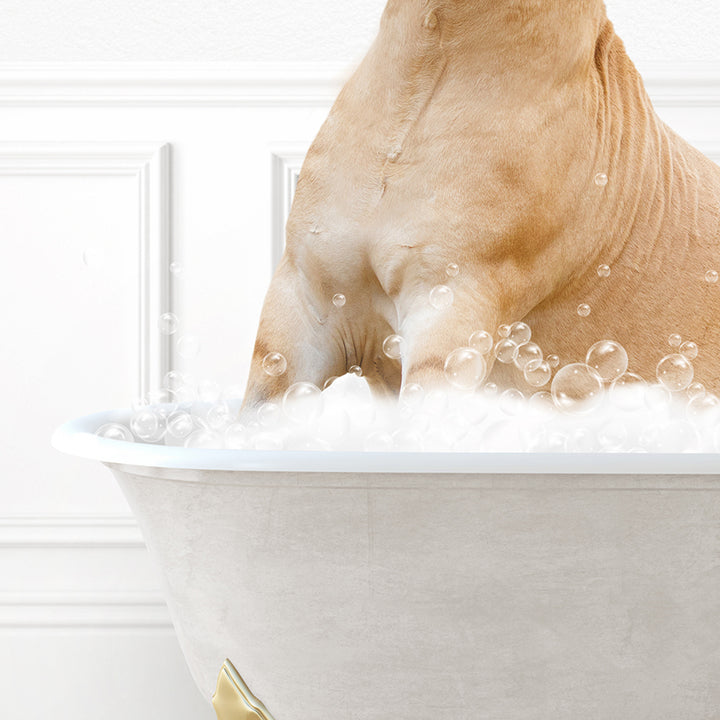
233, 700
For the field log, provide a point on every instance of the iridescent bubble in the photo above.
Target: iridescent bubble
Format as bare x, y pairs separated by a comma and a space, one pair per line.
274, 364
506, 351
695, 389
553, 360
205, 439
180, 424
526, 353
512, 401
577, 388
168, 323
503, 331
465, 368
689, 350
603, 271
452, 269
520, 333
601, 179
176, 268
537, 373
674, 340
236, 436
338, 300
441, 297
302, 402
481, 341
412, 395
145, 425
583, 310
608, 358
628, 391
711, 276
115, 431
394, 346
355, 370
188, 346
675, 372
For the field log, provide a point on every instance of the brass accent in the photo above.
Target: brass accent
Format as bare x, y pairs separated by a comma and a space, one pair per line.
233, 700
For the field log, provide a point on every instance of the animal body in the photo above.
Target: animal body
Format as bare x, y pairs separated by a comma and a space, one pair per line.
479, 132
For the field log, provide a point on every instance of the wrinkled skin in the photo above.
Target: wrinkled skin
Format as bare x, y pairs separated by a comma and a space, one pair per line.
472, 133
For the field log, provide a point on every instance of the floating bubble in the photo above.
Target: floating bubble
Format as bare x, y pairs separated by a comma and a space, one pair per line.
695, 389
601, 179
577, 388
506, 351
176, 269
180, 424
628, 391
394, 346
481, 341
219, 416
711, 276
329, 382
537, 373
675, 372
583, 310
689, 350
490, 389
674, 340
657, 398
701, 405
608, 358
355, 370
441, 297
452, 269
274, 364
302, 402
114, 431
553, 360
512, 401
188, 346
338, 300
465, 368
603, 271
519, 333
527, 352
174, 379
541, 403
503, 331
168, 323
145, 425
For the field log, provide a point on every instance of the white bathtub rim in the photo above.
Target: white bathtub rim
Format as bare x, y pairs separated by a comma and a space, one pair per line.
77, 437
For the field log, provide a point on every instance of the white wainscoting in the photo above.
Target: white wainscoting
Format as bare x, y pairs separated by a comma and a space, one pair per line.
107, 174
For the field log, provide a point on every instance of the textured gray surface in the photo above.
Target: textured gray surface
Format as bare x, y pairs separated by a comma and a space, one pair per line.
511, 598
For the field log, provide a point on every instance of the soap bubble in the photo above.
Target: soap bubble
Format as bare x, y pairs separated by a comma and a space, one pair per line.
577, 388
628, 391
657, 398
394, 346
236, 436
188, 346
506, 351
695, 389
180, 424
601, 179
302, 402
481, 341
711, 276
504, 331
441, 297
700, 405
675, 372
537, 373
329, 382
174, 379
608, 359
269, 413
603, 271
452, 269
114, 431
465, 368
553, 361
274, 364
412, 395
583, 310
581, 440
204, 439
526, 353
674, 340
355, 370
338, 300
219, 416
176, 269
168, 323
145, 425
541, 403
689, 350
490, 389
512, 401
519, 333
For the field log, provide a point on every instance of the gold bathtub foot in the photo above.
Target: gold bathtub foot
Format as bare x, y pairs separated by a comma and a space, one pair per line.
233, 700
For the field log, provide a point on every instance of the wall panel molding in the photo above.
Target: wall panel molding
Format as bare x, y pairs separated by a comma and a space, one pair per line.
149, 164
286, 163
255, 84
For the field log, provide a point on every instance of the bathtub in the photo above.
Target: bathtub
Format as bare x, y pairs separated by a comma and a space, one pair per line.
418, 586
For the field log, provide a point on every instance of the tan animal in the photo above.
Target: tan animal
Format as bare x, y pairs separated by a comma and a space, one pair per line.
478, 132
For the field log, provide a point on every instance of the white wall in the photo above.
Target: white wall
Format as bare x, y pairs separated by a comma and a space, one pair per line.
109, 170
